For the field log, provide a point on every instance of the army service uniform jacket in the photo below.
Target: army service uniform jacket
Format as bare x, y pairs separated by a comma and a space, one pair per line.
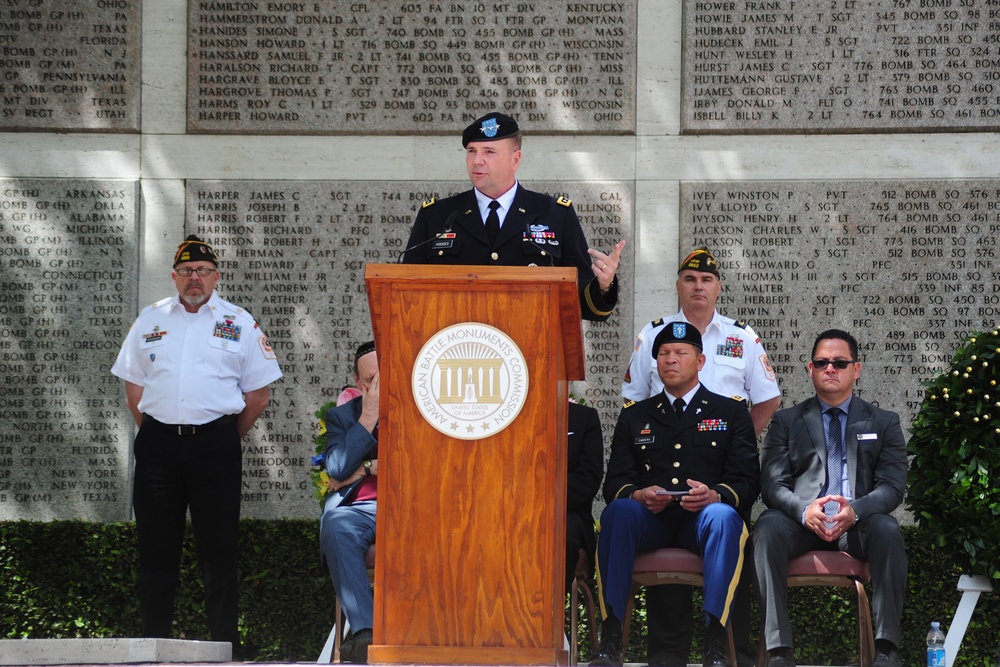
712, 442
539, 230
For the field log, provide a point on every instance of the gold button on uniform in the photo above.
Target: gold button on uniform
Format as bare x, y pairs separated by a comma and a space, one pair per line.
677, 446
677, 464
494, 256
440, 252
675, 481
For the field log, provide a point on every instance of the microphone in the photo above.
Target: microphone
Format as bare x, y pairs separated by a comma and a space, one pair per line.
447, 228
545, 253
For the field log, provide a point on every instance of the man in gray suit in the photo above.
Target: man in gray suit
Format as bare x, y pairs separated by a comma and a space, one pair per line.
843, 506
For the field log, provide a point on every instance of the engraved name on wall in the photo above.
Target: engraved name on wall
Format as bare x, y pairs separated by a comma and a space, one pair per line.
68, 266
70, 65
828, 65
413, 67
908, 267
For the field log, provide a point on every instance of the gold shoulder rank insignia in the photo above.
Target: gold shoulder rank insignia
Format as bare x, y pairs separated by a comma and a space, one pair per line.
739, 398
430, 202
656, 323
628, 404
742, 324
564, 201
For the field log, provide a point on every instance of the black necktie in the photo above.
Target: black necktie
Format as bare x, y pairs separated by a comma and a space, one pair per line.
679, 406
493, 222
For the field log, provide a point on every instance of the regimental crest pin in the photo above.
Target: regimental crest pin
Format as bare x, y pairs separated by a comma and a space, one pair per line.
490, 127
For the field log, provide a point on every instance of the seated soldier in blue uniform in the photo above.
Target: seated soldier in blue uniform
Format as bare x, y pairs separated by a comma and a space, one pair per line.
683, 472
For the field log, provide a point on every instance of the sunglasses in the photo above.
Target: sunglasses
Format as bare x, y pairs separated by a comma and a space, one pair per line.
839, 364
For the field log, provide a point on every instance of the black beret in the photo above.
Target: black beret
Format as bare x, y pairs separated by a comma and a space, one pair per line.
193, 249
702, 260
491, 127
677, 332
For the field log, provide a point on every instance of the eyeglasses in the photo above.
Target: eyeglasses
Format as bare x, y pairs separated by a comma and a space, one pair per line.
839, 364
203, 272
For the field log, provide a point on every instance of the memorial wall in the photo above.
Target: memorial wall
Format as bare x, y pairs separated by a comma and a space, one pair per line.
910, 267
845, 65
69, 65
408, 67
838, 157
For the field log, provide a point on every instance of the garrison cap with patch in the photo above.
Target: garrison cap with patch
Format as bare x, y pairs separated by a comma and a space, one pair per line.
193, 249
363, 349
491, 127
702, 260
677, 332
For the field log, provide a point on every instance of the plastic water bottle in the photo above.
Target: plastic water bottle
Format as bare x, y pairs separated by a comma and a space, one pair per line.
935, 646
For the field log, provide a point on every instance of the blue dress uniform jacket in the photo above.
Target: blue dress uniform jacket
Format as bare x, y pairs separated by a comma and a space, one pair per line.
539, 230
712, 442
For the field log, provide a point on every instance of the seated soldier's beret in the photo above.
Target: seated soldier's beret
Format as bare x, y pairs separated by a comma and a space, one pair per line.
677, 332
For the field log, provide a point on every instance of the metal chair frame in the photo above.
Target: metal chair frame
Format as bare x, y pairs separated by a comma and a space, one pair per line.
833, 568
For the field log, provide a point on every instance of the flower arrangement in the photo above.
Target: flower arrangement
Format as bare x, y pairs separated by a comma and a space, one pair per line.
955, 445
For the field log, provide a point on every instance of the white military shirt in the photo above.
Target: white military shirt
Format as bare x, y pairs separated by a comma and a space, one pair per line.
195, 367
735, 362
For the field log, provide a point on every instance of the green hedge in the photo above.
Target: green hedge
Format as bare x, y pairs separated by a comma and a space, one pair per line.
75, 579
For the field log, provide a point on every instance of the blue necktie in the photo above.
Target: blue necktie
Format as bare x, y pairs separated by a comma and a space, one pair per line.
834, 467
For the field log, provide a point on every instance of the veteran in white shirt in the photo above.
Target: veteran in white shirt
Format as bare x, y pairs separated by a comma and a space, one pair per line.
196, 371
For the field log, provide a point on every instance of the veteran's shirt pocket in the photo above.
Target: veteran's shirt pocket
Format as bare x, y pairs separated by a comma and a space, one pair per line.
226, 336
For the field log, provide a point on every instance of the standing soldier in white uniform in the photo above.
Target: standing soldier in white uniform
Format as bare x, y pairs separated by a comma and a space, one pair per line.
196, 371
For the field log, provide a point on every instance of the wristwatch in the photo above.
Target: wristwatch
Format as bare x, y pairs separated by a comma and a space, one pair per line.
368, 468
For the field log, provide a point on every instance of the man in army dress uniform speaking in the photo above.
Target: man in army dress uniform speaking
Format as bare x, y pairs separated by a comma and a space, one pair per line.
500, 223
683, 473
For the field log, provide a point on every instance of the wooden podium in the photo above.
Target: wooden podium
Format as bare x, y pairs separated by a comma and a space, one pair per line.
471, 532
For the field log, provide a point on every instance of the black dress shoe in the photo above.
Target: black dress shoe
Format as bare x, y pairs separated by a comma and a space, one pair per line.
609, 653
716, 654
360, 640
780, 660
888, 658
346, 647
